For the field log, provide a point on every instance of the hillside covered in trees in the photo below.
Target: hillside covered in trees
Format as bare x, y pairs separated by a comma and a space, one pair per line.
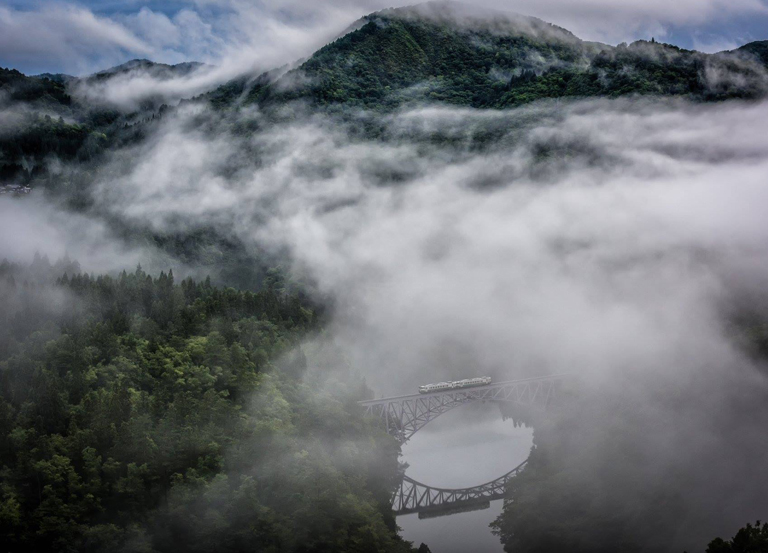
56, 118
431, 53
446, 52
142, 414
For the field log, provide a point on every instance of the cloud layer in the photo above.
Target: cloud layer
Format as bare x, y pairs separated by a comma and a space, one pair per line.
584, 226
612, 239
609, 239
70, 37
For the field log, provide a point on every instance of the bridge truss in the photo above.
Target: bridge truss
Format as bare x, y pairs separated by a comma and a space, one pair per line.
403, 416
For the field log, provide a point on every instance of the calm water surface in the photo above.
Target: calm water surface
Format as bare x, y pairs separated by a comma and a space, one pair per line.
468, 446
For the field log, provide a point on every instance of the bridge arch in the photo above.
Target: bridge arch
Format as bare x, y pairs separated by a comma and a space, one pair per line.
403, 416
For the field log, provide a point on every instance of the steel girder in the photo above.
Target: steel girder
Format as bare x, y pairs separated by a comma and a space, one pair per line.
403, 416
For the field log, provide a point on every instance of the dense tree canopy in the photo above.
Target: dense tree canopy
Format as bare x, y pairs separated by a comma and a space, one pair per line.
400, 56
142, 414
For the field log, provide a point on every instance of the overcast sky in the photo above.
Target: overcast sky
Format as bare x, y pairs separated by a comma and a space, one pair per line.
80, 37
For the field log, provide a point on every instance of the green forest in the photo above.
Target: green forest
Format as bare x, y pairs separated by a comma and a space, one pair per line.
142, 414
145, 413
398, 58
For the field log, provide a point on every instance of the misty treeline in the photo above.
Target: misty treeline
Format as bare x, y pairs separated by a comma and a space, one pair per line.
438, 52
656, 459
443, 52
646, 465
138, 413
750, 539
46, 122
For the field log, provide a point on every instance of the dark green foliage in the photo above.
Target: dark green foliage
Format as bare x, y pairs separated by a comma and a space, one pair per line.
42, 93
750, 539
45, 136
45, 122
141, 414
759, 49
401, 56
391, 60
30, 134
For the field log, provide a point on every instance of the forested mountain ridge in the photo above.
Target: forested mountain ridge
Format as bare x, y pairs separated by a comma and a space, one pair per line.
758, 48
436, 53
148, 67
436, 219
52, 117
36, 91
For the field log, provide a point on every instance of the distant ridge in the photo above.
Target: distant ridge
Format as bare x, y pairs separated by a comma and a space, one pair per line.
759, 49
477, 18
153, 69
452, 53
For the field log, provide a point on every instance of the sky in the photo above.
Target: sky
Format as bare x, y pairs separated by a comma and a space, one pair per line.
82, 37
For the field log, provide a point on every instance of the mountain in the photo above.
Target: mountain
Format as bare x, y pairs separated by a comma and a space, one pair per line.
61, 78
146, 67
34, 91
439, 52
58, 115
757, 49
445, 52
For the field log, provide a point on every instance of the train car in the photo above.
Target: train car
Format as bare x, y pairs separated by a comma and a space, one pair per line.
480, 381
437, 387
466, 383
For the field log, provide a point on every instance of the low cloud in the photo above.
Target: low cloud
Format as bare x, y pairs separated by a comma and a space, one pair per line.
241, 36
585, 225
34, 224
612, 239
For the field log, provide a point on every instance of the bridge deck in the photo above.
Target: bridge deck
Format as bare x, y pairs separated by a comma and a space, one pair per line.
490, 386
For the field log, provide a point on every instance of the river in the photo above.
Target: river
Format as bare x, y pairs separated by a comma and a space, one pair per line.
467, 446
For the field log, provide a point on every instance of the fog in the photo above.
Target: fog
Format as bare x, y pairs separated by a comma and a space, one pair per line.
71, 37
238, 39
609, 239
617, 241
612, 229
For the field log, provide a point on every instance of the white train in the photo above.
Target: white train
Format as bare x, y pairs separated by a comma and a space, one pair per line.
466, 383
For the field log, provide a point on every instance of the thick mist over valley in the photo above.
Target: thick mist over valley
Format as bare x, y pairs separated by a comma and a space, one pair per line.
330, 243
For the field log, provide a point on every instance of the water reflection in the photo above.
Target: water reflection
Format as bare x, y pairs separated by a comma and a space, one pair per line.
465, 447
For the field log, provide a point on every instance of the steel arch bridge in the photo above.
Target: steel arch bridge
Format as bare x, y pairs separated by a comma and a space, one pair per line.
415, 497
403, 416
